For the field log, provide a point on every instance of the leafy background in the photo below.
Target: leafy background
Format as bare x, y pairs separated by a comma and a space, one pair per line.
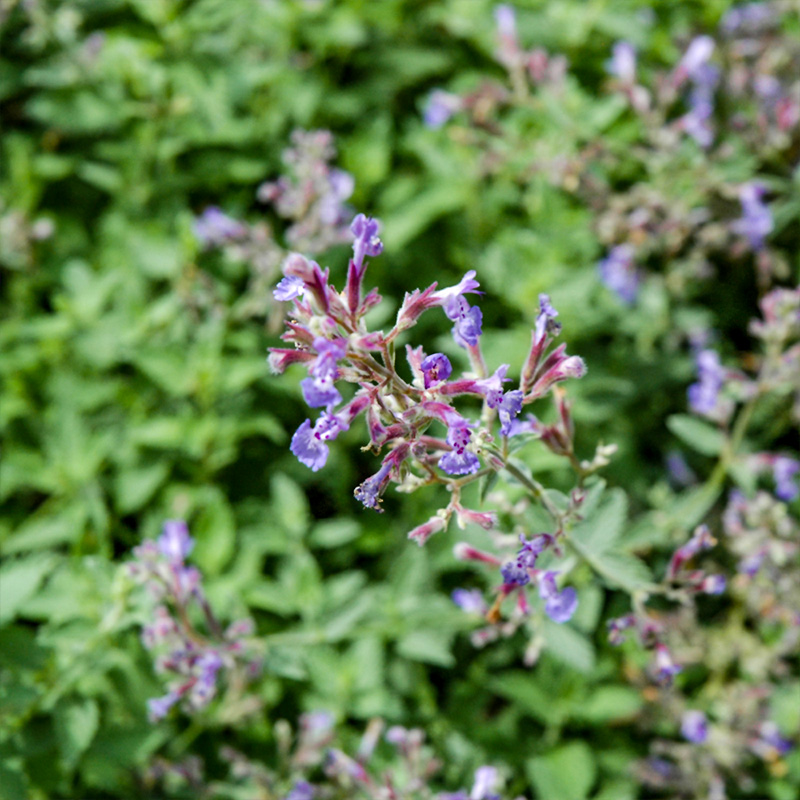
132, 391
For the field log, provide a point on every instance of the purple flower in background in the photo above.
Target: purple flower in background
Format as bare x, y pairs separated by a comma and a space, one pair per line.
703, 395
208, 665
559, 606
713, 584
665, 668
158, 707
694, 727
485, 781
366, 242
622, 63
756, 220
175, 543
288, 288
469, 600
436, 368
618, 273
784, 470
515, 573
459, 460
770, 743
302, 790
697, 55
506, 20
679, 470
747, 18
213, 227
440, 107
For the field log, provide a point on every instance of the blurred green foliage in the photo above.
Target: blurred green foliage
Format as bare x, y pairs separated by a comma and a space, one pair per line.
132, 393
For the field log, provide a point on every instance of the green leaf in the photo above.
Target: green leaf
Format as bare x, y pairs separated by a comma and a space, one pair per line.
609, 704
622, 570
569, 646
697, 434
76, 725
601, 530
567, 773
19, 580
430, 647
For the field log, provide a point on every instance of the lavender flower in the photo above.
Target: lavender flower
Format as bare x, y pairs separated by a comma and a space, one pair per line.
756, 220
703, 395
618, 272
302, 790
175, 542
559, 606
440, 107
622, 63
288, 288
694, 727
366, 242
485, 781
784, 470
459, 461
469, 600
665, 668
213, 227
436, 368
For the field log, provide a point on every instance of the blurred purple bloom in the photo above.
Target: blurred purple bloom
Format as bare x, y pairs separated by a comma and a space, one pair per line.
515, 573
713, 584
559, 606
622, 63
770, 741
213, 227
784, 470
440, 107
505, 18
618, 272
697, 54
747, 18
694, 727
302, 790
756, 220
665, 668
175, 543
435, 368
703, 395
158, 707
679, 470
485, 780
469, 600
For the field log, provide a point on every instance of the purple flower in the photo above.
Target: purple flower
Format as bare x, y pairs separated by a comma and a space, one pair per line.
469, 600
713, 584
515, 573
208, 665
770, 742
288, 288
440, 107
544, 320
158, 707
213, 227
665, 668
436, 368
694, 727
703, 395
679, 470
318, 392
485, 780
559, 606
302, 790
319, 389
308, 448
366, 242
748, 18
370, 490
508, 408
622, 63
696, 56
468, 321
784, 470
756, 220
175, 542
618, 272
459, 460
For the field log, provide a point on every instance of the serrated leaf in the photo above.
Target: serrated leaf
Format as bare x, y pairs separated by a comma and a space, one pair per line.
622, 570
569, 646
697, 434
76, 725
19, 580
601, 530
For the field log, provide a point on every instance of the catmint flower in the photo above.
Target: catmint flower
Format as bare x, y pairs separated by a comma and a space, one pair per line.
756, 220
370, 490
704, 394
308, 447
175, 543
679, 470
784, 470
617, 626
366, 243
713, 584
559, 606
468, 321
302, 790
318, 388
696, 57
618, 272
485, 781
213, 227
747, 18
423, 532
665, 668
459, 460
700, 540
694, 727
515, 573
505, 18
158, 707
622, 63
288, 288
469, 600
435, 368
440, 107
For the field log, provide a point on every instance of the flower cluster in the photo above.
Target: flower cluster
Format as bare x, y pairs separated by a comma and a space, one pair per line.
329, 336
311, 767
194, 661
311, 196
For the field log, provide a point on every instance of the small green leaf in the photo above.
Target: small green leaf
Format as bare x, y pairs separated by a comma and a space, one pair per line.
76, 724
695, 433
567, 773
19, 580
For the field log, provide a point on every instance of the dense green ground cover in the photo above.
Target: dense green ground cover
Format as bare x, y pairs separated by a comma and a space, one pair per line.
135, 387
